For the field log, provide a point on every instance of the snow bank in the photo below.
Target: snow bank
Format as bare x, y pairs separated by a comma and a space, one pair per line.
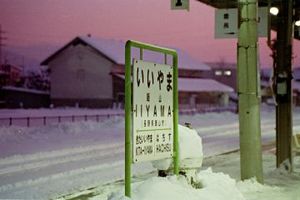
16, 140
216, 186
252, 190
190, 150
17, 133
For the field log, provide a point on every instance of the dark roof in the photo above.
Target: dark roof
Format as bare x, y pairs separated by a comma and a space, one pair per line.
222, 65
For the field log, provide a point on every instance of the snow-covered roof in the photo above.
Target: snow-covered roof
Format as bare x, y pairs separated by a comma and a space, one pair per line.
202, 85
24, 90
115, 51
197, 85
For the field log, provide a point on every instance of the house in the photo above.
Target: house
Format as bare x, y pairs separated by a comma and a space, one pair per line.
17, 97
89, 72
9, 74
15, 94
225, 73
202, 93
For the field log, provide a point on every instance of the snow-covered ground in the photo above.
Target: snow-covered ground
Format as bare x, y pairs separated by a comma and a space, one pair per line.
47, 162
219, 180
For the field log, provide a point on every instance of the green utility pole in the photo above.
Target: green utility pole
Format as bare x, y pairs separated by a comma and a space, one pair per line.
283, 88
249, 92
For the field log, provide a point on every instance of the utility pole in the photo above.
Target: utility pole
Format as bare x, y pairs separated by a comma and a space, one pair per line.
249, 91
1, 44
283, 86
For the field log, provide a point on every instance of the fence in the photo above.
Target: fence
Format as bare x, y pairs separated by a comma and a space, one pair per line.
44, 120
206, 109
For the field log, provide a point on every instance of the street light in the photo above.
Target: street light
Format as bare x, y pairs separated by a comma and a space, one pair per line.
274, 11
297, 23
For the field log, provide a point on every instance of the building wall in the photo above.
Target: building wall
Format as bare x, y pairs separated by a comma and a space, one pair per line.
23, 99
186, 73
225, 73
119, 90
80, 74
188, 100
226, 76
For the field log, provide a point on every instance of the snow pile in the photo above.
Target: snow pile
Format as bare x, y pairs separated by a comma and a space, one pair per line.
190, 150
216, 186
253, 190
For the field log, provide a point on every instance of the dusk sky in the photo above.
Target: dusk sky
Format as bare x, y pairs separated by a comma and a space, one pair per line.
55, 22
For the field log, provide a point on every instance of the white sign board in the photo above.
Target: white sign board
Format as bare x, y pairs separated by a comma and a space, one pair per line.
226, 22
152, 111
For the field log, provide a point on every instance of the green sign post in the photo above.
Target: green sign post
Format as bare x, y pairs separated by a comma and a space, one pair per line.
129, 108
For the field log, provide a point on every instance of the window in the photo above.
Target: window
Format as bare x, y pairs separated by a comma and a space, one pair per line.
226, 16
218, 73
227, 73
226, 25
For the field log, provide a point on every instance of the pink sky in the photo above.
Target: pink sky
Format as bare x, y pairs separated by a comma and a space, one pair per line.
34, 22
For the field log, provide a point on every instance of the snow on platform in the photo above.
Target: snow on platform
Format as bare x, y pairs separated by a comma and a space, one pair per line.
219, 180
59, 159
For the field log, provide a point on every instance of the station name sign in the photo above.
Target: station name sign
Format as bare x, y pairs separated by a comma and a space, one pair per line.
226, 22
152, 111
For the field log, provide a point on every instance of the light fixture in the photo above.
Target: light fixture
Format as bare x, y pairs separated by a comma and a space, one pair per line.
297, 23
274, 11
218, 73
227, 73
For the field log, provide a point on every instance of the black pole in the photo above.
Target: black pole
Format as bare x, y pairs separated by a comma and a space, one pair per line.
283, 86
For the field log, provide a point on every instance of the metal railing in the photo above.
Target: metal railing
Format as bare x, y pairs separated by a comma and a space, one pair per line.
45, 120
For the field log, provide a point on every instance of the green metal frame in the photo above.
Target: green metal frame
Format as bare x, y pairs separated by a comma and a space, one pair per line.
128, 105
